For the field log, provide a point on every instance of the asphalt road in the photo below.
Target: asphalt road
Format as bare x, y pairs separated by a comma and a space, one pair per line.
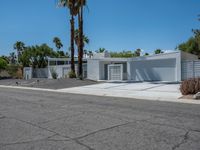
33, 120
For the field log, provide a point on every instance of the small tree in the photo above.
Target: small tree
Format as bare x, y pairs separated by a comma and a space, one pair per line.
37, 55
138, 52
61, 53
12, 58
19, 47
101, 50
3, 64
54, 73
158, 51
190, 46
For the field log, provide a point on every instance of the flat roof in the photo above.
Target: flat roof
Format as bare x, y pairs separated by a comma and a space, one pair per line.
150, 57
63, 59
169, 55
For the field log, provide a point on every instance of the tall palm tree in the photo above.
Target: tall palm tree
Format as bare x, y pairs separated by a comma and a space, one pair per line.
19, 47
80, 5
71, 5
77, 40
57, 43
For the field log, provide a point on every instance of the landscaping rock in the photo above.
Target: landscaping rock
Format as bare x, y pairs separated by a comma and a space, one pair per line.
197, 96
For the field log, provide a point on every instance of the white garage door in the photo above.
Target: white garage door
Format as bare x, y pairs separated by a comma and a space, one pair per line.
154, 70
115, 72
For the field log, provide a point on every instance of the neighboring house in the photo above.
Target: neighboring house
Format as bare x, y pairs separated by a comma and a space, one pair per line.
59, 65
160, 67
62, 66
174, 67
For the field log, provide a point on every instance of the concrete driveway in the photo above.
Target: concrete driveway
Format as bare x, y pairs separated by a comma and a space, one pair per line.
139, 90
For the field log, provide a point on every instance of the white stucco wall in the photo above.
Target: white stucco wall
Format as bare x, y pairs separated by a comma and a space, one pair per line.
61, 70
160, 67
102, 71
93, 69
28, 71
154, 70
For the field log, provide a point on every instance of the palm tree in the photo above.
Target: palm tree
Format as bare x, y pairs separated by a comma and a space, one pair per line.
80, 5
100, 50
57, 43
71, 5
77, 40
19, 47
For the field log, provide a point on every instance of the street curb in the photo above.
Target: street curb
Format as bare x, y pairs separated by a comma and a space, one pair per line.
185, 101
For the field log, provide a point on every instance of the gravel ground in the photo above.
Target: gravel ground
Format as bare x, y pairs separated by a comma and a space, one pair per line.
47, 83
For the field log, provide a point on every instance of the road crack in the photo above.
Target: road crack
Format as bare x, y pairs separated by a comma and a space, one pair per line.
104, 129
134, 121
24, 142
55, 133
183, 141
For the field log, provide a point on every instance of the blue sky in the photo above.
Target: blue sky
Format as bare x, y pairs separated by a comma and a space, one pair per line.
113, 24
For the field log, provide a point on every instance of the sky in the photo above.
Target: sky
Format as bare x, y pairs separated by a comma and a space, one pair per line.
112, 24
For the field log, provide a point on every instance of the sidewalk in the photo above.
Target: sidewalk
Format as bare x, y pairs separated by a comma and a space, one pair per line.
147, 91
144, 91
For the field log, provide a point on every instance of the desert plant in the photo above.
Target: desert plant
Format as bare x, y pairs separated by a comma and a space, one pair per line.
190, 86
72, 74
15, 71
54, 73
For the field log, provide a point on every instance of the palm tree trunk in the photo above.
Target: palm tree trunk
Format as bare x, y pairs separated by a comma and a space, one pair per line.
80, 49
72, 44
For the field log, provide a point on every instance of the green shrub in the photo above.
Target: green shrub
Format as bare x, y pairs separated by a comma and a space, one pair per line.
190, 86
54, 73
3, 64
72, 74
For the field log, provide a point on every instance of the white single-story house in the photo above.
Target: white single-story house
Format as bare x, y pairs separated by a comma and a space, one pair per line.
173, 67
160, 67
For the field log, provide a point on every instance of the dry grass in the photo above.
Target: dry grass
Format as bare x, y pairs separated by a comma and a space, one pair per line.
190, 86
